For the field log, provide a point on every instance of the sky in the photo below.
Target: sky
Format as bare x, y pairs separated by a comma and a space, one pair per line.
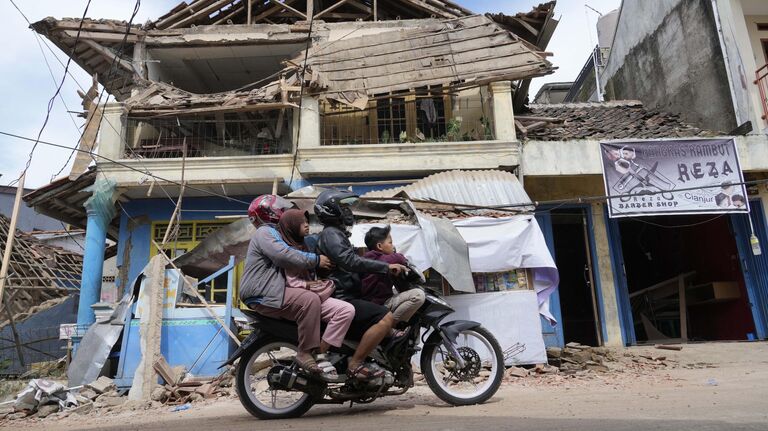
27, 85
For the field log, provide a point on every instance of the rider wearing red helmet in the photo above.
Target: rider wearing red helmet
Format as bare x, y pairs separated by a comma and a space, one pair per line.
262, 286
267, 209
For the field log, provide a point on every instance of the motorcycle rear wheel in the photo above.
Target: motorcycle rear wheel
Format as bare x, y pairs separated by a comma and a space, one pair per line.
251, 377
446, 383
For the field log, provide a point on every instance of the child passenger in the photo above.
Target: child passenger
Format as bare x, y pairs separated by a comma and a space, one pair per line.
377, 288
293, 227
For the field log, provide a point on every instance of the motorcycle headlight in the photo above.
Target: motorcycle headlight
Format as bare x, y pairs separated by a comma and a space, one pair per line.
440, 301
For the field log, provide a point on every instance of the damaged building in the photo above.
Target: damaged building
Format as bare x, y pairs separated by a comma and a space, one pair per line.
220, 101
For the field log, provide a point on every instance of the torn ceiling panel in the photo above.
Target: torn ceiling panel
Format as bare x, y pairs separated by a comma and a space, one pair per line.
451, 53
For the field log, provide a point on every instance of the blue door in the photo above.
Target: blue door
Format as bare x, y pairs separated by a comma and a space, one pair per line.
626, 320
755, 268
553, 334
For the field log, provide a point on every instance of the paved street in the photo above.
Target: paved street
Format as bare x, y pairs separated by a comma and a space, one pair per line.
720, 386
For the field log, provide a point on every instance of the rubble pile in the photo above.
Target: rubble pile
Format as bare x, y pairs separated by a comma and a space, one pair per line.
49, 399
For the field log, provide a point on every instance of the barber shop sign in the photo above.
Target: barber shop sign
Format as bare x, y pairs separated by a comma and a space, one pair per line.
680, 176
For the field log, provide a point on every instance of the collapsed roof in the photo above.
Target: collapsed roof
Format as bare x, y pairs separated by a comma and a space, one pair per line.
455, 53
602, 120
37, 273
117, 55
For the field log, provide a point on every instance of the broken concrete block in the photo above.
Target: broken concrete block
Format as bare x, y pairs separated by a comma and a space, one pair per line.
47, 410
594, 366
554, 352
101, 385
194, 396
583, 356
111, 401
159, 394
14, 416
83, 409
88, 393
516, 372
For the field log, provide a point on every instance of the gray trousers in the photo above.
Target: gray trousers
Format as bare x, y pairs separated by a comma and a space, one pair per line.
405, 304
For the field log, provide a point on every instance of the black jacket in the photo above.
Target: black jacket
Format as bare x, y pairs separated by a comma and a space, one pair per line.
335, 244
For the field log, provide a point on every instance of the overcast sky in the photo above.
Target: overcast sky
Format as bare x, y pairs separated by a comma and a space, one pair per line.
27, 85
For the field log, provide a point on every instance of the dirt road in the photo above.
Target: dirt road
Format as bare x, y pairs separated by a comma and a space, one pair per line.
721, 386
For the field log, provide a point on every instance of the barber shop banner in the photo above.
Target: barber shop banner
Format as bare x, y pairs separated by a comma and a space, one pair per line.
681, 176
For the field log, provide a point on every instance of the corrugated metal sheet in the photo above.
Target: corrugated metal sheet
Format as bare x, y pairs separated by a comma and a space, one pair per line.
481, 188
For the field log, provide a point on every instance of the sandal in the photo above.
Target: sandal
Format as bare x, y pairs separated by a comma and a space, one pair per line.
309, 365
329, 373
364, 373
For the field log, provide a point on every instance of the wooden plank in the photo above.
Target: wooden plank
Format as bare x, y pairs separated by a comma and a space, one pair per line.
11, 234
431, 9
164, 370
202, 13
101, 37
271, 11
336, 5
235, 11
210, 109
289, 8
250, 12
186, 11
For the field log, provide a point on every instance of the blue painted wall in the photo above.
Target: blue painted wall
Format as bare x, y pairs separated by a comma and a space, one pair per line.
144, 212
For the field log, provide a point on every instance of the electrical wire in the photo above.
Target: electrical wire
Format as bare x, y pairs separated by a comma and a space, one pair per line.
58, 89
119, 163
301, 99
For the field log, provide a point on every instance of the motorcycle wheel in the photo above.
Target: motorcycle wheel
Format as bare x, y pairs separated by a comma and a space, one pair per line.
253, 388
477, 381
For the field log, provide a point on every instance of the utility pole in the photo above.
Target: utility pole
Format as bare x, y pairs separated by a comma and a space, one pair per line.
11, 235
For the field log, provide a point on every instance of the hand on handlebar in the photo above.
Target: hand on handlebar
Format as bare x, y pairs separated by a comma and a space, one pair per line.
325, 263
396, 269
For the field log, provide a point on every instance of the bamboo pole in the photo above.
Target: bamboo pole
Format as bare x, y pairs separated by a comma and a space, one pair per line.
11, 235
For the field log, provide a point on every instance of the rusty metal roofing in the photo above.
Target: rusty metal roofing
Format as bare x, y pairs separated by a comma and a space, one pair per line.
476, 188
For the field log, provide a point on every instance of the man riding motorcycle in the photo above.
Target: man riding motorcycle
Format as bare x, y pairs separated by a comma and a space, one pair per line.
372, 322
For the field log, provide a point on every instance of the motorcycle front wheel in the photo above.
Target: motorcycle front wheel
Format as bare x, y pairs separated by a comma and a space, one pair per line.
253, 388
481, 375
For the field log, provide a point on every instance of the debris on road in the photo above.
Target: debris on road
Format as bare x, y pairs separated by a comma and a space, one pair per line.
676, 347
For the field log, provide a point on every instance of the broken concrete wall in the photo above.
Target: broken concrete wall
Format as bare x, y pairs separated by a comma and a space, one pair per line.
667, 54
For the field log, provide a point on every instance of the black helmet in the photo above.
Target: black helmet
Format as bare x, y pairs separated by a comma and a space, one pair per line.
332, 208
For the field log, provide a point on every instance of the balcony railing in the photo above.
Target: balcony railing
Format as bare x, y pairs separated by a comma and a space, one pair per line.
206, 137
433, 116
761, 80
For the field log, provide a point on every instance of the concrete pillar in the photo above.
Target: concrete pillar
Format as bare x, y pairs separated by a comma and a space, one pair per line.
112, 132
309, 130
610, 317
503, 114
100, 208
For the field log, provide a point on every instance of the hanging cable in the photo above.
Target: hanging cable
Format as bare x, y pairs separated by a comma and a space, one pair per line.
58, 89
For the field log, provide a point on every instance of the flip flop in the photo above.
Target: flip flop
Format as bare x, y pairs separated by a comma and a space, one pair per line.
363, 373
309, 365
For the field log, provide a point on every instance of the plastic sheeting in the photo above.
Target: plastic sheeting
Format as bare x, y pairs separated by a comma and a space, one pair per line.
511, 317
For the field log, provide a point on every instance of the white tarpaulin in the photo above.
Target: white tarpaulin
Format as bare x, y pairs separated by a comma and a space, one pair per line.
495, 245
511, 317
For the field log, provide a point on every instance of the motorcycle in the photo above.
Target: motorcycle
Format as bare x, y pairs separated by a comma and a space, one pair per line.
461, 361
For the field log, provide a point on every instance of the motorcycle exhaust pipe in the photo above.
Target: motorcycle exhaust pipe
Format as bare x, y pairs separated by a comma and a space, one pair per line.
284, 378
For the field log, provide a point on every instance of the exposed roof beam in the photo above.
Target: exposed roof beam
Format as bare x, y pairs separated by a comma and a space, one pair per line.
285, 5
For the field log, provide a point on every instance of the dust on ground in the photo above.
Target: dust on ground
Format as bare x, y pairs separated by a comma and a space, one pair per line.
711, 386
